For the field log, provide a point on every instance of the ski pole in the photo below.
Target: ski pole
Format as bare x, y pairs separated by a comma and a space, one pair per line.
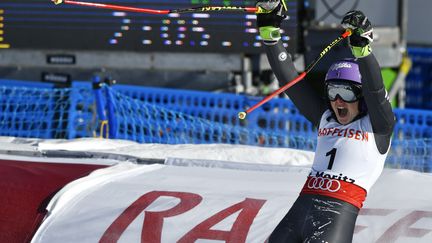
242, 115
158, 11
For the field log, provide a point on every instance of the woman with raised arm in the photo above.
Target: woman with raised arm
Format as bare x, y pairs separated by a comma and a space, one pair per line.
355, 123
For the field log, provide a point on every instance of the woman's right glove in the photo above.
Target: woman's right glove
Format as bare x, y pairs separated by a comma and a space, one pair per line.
362, 33
269, 19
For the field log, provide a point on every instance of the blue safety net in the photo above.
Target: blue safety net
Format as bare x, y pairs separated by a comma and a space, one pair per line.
33, 112
152, 115
39, 110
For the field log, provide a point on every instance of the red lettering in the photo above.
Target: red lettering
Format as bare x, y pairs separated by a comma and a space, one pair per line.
351, 133
153, 221
238, 233
402, 227
365, 136
335, 131
357, 135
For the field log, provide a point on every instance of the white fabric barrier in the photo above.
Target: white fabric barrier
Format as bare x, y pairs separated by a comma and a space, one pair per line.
171, 203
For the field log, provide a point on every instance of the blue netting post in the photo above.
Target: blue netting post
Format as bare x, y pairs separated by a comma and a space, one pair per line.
112, 121
100, 107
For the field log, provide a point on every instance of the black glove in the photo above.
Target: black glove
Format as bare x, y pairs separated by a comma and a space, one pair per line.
360, 25
362, 32
270, 13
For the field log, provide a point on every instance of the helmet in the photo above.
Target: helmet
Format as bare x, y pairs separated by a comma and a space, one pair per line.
344, 70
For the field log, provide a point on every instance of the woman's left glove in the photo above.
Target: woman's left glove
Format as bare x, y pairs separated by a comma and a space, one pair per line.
362, 33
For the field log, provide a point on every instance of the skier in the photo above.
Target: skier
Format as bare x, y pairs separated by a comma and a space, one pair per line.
355, 123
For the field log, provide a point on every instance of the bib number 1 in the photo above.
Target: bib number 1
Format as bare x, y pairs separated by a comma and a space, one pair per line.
332, 154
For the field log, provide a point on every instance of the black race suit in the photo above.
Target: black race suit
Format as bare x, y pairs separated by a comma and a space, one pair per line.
299, 225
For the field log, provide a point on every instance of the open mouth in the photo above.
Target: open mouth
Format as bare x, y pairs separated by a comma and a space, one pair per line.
342, 111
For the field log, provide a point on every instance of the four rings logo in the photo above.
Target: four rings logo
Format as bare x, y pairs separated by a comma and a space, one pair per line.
325, 184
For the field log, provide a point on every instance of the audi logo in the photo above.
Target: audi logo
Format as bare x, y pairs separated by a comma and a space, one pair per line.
325, 184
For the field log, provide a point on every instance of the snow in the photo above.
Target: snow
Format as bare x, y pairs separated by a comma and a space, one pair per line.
222, 152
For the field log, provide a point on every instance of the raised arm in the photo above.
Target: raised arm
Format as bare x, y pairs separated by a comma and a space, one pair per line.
306, 99
374, 92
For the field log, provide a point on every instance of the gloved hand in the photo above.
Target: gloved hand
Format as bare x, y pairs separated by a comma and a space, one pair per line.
269, 19
362, 33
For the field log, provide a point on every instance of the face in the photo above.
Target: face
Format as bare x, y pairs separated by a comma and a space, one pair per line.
344, 101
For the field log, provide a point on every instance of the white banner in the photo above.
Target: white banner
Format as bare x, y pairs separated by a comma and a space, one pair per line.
161, 203
167, 203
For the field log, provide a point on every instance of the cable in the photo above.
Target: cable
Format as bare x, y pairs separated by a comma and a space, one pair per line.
331, 10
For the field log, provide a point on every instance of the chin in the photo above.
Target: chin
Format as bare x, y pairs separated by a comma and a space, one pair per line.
343, 121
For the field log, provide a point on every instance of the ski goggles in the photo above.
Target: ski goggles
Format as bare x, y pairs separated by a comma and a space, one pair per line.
348, 93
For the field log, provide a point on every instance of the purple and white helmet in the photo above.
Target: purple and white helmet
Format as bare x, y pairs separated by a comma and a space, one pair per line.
344, 70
